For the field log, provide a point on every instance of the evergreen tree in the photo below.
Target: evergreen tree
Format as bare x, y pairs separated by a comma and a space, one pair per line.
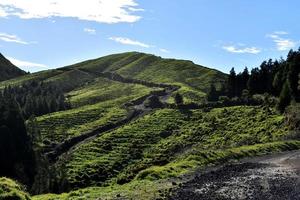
212, 94
16, 154
285, 97
231, 85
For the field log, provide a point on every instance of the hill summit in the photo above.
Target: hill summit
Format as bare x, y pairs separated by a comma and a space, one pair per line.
8, 70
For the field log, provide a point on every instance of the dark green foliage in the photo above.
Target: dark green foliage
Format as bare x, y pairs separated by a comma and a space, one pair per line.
212, 94
278, 78
153, 102
8, 70
285, 97
16, 155
178, 99
292, 115
37, 98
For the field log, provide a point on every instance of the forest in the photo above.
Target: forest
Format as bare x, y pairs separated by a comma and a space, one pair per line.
278, 78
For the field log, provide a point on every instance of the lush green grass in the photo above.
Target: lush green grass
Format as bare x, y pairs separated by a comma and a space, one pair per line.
167, 143
194, 79
95, 105
162, 137
10, 190
154, 182
102, 89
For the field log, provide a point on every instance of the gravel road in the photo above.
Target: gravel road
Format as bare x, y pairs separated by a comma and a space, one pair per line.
275, 177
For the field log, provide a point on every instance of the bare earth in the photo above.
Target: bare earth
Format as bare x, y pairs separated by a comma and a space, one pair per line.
275, 177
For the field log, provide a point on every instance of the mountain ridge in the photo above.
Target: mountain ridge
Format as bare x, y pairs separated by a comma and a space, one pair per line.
9, 70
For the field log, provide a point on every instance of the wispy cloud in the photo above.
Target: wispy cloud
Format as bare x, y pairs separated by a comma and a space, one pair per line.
164, 50
12, 38
102, 11
282, 44
27, 64
90, 31
128, 41
240, 49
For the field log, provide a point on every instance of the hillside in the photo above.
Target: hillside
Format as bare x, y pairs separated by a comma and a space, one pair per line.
8, 70
114, 142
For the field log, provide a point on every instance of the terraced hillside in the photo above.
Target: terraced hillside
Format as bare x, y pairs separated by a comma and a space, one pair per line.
112, 145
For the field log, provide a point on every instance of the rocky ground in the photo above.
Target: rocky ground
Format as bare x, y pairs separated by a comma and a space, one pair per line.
274, 177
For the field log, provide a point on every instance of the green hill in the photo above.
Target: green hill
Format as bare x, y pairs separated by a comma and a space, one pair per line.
8, 70
111, 145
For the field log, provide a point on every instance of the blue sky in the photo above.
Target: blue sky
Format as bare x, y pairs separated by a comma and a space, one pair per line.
37, 35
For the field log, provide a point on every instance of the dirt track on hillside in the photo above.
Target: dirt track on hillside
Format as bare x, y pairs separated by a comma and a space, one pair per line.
275, 177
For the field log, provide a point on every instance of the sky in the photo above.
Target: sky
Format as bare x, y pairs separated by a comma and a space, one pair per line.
43, 34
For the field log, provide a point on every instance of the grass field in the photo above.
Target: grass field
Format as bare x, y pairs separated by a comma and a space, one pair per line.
94, 105
161, 138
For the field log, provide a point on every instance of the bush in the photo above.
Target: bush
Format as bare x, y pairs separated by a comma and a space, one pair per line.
292, 118
178, 99
153, 102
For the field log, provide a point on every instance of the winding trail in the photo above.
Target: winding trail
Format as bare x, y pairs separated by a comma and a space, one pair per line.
136, 109
274, 177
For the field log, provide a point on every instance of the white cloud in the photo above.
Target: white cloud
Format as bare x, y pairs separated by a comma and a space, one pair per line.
102, 11
26, 64
164, 50
241, 50
281, 33
128, 41
11, 38
282, 44
90, 31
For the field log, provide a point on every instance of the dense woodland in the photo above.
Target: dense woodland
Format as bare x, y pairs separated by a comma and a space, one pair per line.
17, 152
277, 78
37, 98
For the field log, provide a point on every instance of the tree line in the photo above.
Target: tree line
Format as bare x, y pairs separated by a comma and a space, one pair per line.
279, 78
19, 153
16, 153
37, 98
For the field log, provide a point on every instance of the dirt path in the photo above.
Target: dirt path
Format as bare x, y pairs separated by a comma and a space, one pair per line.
275, 177
136, 109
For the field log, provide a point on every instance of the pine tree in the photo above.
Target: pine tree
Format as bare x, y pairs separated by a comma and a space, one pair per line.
212, 94
285, 97
231, 83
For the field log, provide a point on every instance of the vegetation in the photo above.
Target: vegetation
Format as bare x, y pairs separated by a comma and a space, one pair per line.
232, 117
278, 78
37, 98
16, 153
162, 137
8, 70
12, 190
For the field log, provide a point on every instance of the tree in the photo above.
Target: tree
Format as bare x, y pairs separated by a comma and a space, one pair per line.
178, 99
253, 82
231, 85
16, 153
153, 102
212, 94
285, 97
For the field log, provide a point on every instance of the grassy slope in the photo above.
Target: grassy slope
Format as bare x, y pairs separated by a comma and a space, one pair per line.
12, 190
159, 146
163, 137
167, 144
94, 105
193, 79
